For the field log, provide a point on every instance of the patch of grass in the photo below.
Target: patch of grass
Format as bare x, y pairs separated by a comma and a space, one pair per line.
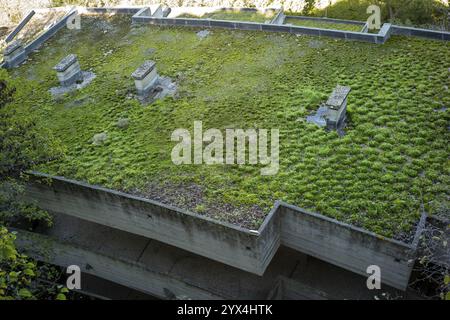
323, 24
393, 158
234, 15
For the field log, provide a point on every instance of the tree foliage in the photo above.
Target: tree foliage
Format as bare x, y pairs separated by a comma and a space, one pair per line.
420, 13
22, 278
22, 145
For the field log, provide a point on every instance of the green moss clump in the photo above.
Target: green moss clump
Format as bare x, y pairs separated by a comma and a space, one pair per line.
323, 24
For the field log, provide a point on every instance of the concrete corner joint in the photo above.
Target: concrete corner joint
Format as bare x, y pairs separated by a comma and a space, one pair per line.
145, 77
68, 71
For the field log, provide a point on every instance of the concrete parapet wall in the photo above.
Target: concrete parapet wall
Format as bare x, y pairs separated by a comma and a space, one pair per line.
343, 245
346, 246
129, 273
115, 10
20, 26
423, 33
226, 24
241, 248
35, 44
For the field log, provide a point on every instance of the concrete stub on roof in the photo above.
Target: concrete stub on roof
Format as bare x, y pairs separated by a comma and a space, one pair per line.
337, 108
145, 77
149, 85
70, 76
68, 71
14, 54
333, 114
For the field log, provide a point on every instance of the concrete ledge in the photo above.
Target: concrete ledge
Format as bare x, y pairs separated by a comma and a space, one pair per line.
227, 24
20, 26
49, 33
126, 272
347, 246
154, 267
238, 247
343, 245
103, 10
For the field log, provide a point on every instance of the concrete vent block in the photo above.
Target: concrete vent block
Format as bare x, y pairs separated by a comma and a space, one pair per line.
337, 108
145, 78
14, 54
69, 71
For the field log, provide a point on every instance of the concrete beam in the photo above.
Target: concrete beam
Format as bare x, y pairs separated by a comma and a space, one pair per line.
158, 269
341, 244
234, 246
20, 26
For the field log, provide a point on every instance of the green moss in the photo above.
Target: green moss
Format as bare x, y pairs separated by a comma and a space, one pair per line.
234, 15
393, 157
323, 24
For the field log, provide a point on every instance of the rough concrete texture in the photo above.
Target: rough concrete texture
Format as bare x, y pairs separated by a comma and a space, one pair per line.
172, 20
343, 245
219, 241
165, 271
20, 26
347, 246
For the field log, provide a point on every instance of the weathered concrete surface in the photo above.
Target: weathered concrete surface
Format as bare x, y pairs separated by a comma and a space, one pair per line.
279, 18
14, 55
288, 289
343, 245
20, 26
158, 269
148, 265
324, 19
127, 273
346, 246
219, 241
227, 24
35, 44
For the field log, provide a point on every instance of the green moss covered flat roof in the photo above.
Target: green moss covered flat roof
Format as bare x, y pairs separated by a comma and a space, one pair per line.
393, 158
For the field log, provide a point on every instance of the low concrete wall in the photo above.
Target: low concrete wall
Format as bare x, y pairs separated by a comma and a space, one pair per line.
226, 24
346, 246
423, 33
241, 248
20, 26
35, 44
115, 10
343, 245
